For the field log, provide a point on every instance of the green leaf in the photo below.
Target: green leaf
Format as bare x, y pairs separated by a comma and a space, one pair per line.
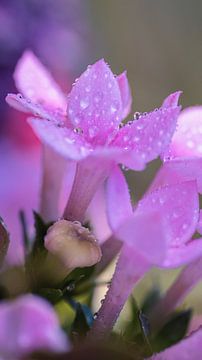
150, 300
173, 331
40, 231
26, 240
52, 295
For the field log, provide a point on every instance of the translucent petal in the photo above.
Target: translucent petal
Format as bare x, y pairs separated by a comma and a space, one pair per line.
95, 103
187, 140
180, 206
118, 199
35, 82
126, 95
63, 140
150, 135
144, 233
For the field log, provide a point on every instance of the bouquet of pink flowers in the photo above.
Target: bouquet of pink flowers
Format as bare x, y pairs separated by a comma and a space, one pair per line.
86, 220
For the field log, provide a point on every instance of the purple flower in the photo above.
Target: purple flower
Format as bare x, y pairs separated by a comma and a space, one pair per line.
91, 133
157, 232
29, 324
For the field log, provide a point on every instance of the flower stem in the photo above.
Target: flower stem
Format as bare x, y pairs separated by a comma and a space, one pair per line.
53, 170
89, 176
128, 272
110, 249
174, 296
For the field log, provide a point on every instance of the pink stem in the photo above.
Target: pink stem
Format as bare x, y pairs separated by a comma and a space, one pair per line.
89, 176
110, 249
128, 272
174, 296
54, 167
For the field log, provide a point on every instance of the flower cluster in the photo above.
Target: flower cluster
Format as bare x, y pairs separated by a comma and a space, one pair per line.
86, 219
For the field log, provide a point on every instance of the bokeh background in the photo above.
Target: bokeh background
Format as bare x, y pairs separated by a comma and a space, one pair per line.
159, 42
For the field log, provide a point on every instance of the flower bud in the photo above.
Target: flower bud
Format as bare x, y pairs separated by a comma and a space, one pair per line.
73, 244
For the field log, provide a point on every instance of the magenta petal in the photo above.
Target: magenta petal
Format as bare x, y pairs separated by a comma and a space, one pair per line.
35, 82
150, 135
63, 140
179, 170
117, 199
145, 234
188, 348
95, 102
126, 95
172, 99
178, 256
180, 206
187, 140
29, 324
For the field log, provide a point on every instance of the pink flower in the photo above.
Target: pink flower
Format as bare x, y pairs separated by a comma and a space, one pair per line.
188, 348
29, 324
157, 232
90, 133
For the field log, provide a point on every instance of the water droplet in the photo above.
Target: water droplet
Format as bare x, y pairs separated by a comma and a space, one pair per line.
124, 168
136, 138
84, 103
113, 109
137, 115
121, 125
78, 131
109, 85
95, 315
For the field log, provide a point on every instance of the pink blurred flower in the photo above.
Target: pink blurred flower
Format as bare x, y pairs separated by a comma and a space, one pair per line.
29, 324
90, 134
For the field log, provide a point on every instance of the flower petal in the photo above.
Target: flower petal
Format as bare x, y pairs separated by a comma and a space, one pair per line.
187, 140
172, 99
150, 135
188, 348
144, 233
95, 103
30, 324
180, 206
126, 95
20, 103
179, 170
178, 256
118, 200
35, 82
97, 216
63, 140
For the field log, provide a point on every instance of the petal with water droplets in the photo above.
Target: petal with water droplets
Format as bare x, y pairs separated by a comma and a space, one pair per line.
150, 135
178, 256
63, 140
126, 95
180, 206
117, 199
35, 82
187, 140
20, 103
95, 103
179, 170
